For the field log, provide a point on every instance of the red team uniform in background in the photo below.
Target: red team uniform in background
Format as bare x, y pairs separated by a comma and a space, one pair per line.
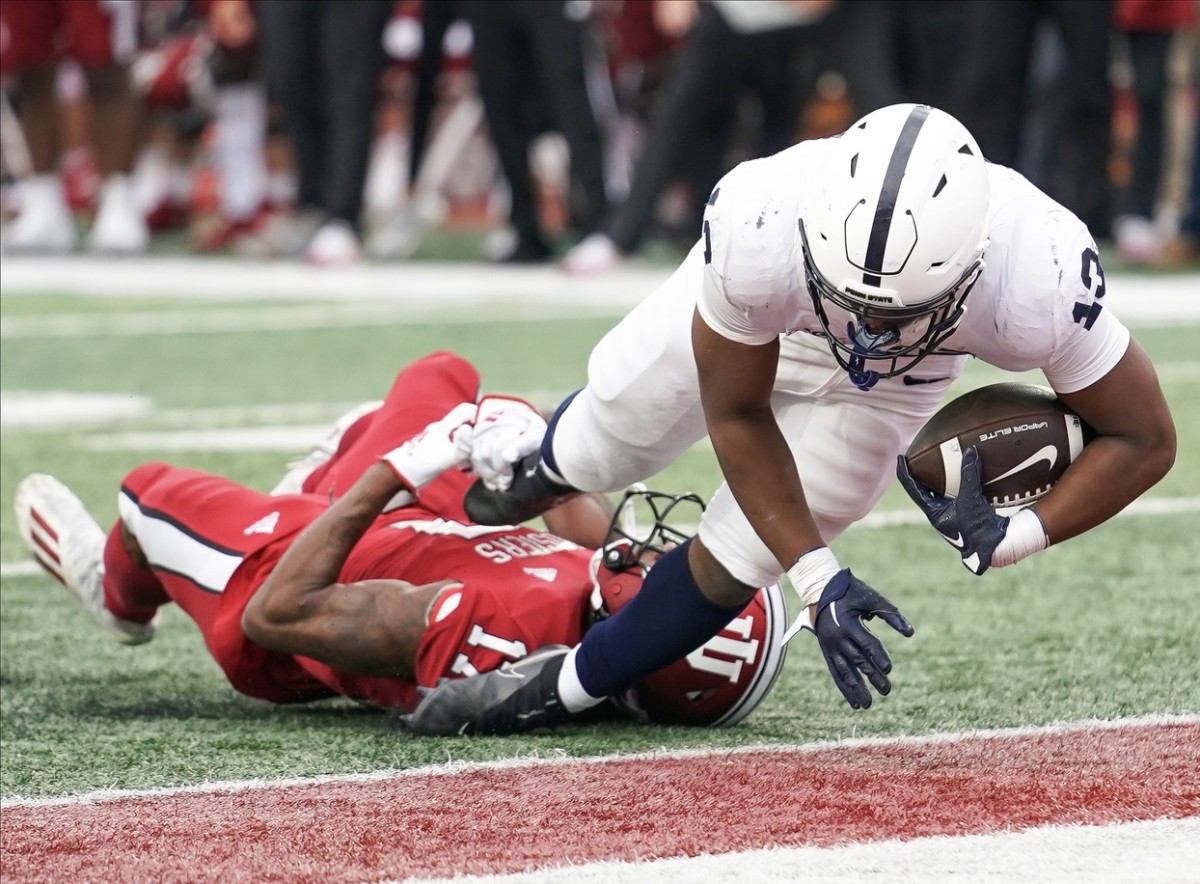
39, 32
212, 542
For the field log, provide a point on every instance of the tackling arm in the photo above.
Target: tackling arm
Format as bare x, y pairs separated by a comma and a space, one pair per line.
1134, 448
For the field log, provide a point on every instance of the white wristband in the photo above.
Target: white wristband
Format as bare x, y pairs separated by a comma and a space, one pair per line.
812, 572
413, 465
1025, 535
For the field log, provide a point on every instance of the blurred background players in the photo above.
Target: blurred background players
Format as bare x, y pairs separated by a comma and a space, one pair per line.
323, 61
101, 35
1147, 34
730, 49
537, 69
467, 130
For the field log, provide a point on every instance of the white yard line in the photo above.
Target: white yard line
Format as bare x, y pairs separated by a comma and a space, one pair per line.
1160, 851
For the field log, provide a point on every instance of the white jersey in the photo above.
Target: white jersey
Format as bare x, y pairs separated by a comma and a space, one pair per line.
1037, 305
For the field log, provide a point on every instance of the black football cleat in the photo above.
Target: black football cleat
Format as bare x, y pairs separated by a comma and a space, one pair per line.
516, 698
531, 494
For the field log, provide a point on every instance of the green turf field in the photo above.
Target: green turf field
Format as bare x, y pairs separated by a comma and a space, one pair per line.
1105, 626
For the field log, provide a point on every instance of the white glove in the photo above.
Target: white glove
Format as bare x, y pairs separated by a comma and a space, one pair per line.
506, 430
443, 444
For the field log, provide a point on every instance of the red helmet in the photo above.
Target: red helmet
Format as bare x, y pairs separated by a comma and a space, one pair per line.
720, 682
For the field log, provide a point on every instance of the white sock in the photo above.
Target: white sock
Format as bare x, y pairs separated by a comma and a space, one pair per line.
570, 690
241, 131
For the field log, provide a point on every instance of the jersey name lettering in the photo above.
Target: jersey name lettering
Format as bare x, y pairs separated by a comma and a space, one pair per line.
522, 546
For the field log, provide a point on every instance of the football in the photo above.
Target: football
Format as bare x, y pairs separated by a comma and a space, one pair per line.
1025, 435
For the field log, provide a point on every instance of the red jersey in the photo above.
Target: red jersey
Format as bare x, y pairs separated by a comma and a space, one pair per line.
521, 589
212, 543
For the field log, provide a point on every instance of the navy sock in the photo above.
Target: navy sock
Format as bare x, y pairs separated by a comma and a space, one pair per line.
665, 621
548, 439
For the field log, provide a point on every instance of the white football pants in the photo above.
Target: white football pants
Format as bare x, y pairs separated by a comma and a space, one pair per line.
641, 410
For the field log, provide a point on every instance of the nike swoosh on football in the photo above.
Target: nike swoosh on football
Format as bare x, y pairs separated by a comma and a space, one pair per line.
1048, 453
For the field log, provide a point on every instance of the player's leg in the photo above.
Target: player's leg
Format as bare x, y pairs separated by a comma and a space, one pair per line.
845, 462
209, 542
440, 380
29, 61
638, 413
67, 542
104, 38
304, 474
421, 393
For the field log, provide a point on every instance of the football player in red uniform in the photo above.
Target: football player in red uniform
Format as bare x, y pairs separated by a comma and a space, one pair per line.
101, 36
371, 582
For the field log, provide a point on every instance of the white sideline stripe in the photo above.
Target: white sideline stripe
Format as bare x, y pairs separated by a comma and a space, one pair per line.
257, 320
282, 439
560, 757
54, 410
417, 283
1163, 297
1161, 506
1165, 851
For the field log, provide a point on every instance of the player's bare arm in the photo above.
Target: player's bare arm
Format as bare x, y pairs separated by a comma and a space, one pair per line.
371, 627
1134, 448
736, 382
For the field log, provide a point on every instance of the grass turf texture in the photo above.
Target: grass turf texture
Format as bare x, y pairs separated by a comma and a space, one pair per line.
1104, 626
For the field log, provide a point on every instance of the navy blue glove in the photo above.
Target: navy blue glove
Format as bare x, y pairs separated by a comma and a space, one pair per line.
969, 523
849, 647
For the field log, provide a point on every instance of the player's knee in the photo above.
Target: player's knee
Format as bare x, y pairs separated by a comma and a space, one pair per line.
714, 580
132, 548
107, 81
449, 368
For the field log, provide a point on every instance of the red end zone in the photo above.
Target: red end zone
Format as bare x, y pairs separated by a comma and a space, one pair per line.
513, 818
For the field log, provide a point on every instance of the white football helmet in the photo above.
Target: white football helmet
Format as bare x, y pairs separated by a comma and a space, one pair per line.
893, 237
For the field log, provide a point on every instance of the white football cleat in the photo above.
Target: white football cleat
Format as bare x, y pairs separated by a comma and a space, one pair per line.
335, 244
44, 225
593, 255
300, 469
120, 227
65, 540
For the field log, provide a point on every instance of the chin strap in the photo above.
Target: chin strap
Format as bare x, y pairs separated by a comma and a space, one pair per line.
865, 341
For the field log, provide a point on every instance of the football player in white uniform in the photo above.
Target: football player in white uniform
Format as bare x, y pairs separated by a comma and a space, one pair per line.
837, 289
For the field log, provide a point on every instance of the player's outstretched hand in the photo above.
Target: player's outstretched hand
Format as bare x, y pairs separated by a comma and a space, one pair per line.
444, 444
851, 650
967, 522
506, 430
